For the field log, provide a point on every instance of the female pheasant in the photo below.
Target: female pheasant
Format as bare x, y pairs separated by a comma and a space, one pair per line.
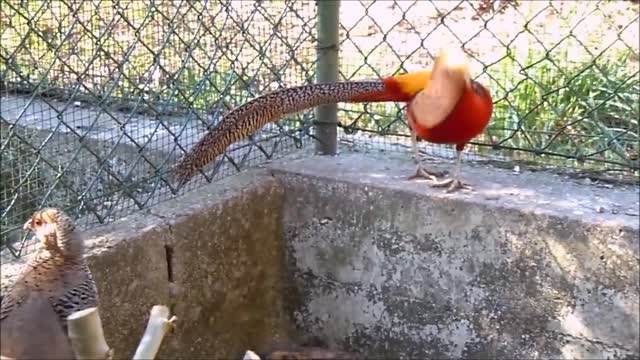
52, 285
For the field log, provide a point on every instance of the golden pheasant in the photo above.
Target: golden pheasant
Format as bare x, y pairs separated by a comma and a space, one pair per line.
444, 106
54, 283
453, 109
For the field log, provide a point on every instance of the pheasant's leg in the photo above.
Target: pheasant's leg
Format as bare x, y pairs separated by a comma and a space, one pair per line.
454, 183
421, 172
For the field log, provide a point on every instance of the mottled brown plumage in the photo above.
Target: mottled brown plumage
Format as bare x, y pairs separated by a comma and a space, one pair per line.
248, 118
54, 283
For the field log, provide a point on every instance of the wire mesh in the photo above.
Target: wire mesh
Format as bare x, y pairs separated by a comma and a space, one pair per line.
563, 75
98, 98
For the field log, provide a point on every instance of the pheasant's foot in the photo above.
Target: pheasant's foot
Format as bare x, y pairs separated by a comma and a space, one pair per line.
422, 173
452, 185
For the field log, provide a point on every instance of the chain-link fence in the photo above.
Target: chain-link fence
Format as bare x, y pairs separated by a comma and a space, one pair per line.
563, 75
99, 98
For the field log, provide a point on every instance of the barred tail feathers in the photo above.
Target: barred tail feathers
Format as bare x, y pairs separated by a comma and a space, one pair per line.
255, 114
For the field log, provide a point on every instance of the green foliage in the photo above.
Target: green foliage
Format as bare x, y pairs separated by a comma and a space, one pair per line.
586, 110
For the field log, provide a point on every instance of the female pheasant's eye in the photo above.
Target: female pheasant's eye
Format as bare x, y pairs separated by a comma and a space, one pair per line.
38, 222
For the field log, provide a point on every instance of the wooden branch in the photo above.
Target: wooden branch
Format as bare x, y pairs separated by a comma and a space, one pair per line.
157, 327
86, 335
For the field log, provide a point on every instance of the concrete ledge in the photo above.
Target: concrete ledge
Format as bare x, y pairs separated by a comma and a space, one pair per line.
525, 267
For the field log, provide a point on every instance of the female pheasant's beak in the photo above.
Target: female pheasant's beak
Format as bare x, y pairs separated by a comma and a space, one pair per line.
27, 225
449, 79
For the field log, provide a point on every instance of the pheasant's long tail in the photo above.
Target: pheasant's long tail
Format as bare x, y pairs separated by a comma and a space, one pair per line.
250, 117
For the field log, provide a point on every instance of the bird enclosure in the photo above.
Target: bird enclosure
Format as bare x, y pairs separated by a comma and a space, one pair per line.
100, 98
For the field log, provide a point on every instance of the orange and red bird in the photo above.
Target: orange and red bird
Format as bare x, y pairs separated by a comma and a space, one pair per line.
453, 109
445, 106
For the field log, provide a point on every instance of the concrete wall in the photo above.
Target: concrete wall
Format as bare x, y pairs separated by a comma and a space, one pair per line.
214, 257
526, 267
348, 251
225, 275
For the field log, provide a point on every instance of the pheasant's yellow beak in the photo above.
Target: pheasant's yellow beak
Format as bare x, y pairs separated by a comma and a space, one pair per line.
27, 225
450, 77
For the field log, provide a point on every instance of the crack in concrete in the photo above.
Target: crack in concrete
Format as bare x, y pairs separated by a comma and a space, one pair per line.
168, 249
173, 287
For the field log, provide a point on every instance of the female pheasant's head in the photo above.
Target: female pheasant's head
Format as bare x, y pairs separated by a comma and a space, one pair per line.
55, 230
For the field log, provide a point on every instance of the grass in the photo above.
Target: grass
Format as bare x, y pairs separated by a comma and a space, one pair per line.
584, 111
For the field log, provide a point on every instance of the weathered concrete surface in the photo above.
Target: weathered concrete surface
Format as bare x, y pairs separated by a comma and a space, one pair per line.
225, 274
228, 267
528, 266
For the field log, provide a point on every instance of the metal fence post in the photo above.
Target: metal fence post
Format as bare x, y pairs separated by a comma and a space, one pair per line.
327, 71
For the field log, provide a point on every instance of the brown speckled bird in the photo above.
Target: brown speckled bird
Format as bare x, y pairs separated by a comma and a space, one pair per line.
53, 284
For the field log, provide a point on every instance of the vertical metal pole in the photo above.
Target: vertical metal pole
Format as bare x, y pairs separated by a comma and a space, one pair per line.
327, 72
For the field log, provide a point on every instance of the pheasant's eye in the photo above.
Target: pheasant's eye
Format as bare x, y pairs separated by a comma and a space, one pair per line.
38, 222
